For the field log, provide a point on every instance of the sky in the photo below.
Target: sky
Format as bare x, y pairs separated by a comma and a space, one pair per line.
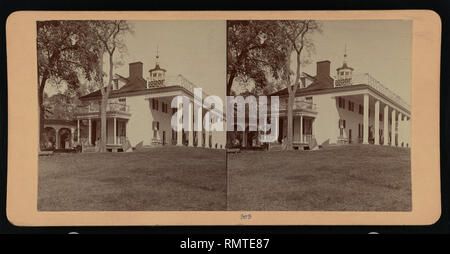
194, 49
197, 50
381, 48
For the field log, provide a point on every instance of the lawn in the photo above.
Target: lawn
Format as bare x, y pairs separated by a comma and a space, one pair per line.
158, 179
341, 178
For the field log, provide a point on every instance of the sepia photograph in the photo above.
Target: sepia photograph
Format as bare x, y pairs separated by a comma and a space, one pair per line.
238, 115
220, 118
343, 125
107, 95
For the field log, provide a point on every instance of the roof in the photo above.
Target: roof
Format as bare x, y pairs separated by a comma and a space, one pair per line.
134, 85
60, 122
344, 66
157, 68
140, 85
120, 77
317, 84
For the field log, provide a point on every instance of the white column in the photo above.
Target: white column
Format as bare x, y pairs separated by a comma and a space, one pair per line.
301, 128
90, 132
191, 121
408, 131
115, 130
207, 131
366, 120
393, 127
377, 123
200, 127
400, 130
78, 131
386, 125
179, 122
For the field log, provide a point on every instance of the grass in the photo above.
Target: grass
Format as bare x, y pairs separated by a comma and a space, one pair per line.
162, 179
342, 178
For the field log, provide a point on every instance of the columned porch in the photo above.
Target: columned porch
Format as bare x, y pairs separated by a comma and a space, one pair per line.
302, 126
89, 126
196, 134
304, 114
368, 118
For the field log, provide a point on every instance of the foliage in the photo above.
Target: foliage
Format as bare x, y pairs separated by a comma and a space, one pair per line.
66, 54
254, 52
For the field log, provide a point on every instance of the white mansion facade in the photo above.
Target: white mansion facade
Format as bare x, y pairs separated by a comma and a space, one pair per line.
139, 113
351, 108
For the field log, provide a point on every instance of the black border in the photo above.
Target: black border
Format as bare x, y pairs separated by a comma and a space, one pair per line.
285, 234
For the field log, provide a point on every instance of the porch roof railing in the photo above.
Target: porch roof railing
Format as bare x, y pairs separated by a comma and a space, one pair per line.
110, 107
367, 79
299, 105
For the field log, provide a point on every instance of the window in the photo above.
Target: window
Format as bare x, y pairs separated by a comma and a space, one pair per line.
122, 100
341, 124
361, 109
360, 130
154, 75
341, 102
351, 106
381, 117
164, 107
155, 104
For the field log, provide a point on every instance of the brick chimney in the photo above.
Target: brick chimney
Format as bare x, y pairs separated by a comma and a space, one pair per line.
136, 70
323, 69
323, 74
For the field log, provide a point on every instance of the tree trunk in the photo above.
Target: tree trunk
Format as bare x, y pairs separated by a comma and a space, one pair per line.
103, 137
230, 81
290, 121
104, 104
42, 109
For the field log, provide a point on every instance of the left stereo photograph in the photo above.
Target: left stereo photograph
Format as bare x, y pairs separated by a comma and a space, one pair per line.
109, 135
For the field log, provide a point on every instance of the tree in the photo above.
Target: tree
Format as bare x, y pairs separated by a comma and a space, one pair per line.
61, 105
295, 34
109, 35
65, 55
253, 52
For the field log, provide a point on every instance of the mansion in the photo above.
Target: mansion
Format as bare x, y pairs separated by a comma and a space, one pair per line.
349, 108
139, 113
